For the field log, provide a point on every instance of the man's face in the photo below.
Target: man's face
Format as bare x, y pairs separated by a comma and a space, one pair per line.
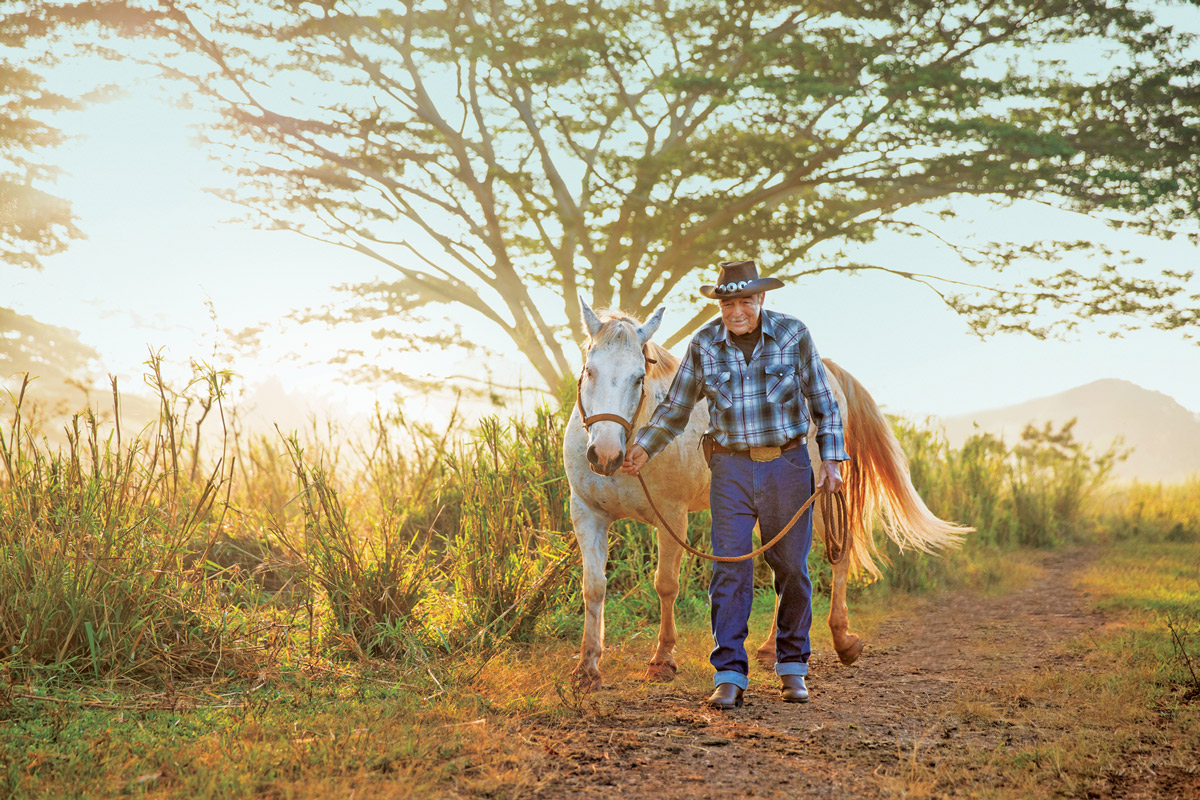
740, 314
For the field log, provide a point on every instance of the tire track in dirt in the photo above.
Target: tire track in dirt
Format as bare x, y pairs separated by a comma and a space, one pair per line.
866, 726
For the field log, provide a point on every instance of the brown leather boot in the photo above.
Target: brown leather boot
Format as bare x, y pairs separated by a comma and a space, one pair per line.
794, 690
726, 696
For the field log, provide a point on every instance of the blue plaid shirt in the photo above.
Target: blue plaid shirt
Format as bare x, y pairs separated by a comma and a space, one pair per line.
760, 404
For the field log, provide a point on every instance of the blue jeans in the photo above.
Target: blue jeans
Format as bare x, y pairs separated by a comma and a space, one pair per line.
743, 491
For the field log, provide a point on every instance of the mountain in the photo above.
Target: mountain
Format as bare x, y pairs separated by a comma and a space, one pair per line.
1163, 435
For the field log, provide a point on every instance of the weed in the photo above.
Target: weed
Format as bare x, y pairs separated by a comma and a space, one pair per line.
1179, 639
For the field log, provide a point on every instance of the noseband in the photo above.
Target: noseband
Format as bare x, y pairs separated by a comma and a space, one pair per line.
627, 424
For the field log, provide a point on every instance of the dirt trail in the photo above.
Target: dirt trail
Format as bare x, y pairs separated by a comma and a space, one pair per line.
867, 724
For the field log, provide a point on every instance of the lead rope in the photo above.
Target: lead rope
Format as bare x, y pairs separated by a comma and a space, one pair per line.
833, 507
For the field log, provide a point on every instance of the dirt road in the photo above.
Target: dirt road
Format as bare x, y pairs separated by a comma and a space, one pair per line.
931, 709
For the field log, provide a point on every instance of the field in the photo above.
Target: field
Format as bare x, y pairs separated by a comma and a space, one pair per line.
191, 611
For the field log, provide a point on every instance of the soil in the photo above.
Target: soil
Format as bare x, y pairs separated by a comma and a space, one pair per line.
890, 725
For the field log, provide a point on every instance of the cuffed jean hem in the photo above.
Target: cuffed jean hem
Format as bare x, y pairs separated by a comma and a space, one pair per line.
791, 668
729, 676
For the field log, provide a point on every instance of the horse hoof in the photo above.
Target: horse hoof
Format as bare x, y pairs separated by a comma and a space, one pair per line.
660, 672
586, 680
851, 653
765, 657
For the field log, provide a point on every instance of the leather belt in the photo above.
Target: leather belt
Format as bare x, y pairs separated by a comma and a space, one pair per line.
761, 453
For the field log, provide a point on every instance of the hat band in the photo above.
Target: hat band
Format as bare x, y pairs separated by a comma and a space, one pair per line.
731, 287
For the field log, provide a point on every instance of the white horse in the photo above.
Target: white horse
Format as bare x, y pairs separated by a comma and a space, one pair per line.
624, 378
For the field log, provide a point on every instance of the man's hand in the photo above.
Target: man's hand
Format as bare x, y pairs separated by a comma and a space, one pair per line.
635, 459
830, 477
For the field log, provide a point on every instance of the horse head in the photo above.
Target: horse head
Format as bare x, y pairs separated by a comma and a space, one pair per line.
612, 383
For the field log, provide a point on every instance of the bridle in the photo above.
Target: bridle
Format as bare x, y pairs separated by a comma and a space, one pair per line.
627, 424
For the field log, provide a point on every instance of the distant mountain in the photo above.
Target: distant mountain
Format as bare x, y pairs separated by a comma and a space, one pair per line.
1163, 435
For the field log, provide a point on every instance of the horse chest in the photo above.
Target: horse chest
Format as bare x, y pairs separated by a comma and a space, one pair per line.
611, 496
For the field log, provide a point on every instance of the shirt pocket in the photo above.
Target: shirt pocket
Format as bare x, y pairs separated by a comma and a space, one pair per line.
782, 382
719, 392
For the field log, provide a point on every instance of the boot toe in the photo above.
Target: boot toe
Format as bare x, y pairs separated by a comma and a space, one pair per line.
794, 689
726, 696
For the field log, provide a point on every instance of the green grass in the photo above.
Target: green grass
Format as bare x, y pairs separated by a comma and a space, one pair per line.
311, 728
189, 613
294, 739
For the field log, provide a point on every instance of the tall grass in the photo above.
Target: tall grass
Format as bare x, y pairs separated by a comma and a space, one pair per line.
94, 579
1040, 492
1153, 512
511, 557
172, 553
372, 584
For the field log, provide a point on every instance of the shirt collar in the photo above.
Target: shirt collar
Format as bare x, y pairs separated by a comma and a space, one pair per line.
768, 328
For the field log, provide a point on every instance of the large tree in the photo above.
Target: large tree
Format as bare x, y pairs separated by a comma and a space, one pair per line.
34, 222
506, 156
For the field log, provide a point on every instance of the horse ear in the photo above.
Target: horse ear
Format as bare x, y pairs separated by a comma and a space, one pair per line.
590, 320
651, 326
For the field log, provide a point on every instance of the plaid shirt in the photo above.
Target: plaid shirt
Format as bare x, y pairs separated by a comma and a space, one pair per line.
760, 404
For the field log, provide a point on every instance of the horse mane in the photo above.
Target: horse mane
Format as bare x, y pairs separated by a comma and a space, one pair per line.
617, 326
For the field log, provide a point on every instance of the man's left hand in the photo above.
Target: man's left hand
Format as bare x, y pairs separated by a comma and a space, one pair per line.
829, 479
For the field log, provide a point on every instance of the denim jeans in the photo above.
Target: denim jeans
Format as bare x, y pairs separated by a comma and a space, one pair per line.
744, 491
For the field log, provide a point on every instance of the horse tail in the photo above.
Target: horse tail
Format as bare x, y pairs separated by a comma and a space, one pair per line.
878, 484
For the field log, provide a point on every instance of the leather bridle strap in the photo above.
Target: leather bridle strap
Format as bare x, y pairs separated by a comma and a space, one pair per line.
627, 424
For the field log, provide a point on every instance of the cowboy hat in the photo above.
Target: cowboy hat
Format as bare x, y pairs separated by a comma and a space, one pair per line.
738, 279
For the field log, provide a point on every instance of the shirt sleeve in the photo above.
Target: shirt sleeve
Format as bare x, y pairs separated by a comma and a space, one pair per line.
822, 402
671, 416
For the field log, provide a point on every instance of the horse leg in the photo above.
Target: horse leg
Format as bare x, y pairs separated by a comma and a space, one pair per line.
765, 654
591, 531
847, 645
662, 665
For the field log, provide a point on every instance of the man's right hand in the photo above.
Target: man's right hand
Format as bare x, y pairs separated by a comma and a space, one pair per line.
635, 459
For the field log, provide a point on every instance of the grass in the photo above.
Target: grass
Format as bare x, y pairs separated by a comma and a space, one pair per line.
464, 728
296, 739
191, 612
367, 727
1118, 714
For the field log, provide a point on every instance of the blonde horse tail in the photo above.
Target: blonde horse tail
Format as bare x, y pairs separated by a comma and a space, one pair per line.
877, 483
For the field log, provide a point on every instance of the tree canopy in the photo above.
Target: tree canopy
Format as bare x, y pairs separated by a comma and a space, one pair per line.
506, 156
54, 354
34, 222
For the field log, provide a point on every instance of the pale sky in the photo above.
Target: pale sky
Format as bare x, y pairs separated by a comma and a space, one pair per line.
158, 250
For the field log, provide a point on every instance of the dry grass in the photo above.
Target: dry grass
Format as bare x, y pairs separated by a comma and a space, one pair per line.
255, 598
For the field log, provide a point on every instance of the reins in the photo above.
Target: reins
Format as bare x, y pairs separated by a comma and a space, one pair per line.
833, 505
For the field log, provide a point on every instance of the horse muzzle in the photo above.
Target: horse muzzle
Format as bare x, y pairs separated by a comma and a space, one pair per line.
605, 463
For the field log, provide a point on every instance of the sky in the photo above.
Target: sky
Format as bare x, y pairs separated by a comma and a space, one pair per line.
163, 268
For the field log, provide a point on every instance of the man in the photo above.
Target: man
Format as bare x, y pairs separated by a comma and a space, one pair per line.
756, 368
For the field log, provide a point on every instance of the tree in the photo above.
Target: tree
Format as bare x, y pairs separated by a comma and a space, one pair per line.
506, 156
48, 351
34, 223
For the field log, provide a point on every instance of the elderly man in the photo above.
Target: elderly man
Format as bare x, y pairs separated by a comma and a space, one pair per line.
756, 368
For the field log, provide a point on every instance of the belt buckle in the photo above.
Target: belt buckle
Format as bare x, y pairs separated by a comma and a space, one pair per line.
765, 453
